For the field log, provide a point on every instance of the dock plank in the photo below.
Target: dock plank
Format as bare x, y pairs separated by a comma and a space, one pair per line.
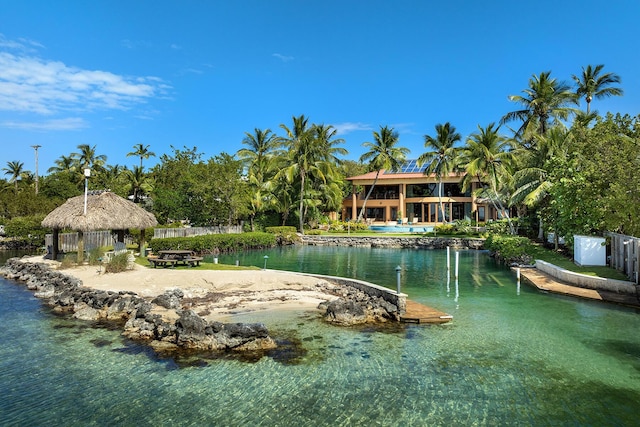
547, 283
420, 313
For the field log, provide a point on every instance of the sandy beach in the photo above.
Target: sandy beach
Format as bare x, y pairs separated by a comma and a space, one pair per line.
215, 294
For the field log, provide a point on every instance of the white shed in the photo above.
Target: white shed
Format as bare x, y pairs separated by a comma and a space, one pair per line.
589, 250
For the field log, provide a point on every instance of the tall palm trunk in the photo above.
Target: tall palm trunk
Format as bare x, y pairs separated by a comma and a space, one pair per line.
301, 208
364, 204
444, 218
506, 213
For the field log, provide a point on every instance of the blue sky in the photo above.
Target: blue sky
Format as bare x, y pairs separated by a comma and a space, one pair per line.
202, 73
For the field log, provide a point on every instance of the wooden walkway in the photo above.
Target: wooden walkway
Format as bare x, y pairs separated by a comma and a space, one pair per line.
418, 313
547, 283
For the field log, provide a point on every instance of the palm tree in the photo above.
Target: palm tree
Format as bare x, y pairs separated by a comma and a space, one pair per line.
63, 164
87, 157
441, 159
545, 100
591, 84
258, 159
327, 186
484, 157
303, 154
14, 169
141, 151
532, 181
261, 148
382, 154
138, 182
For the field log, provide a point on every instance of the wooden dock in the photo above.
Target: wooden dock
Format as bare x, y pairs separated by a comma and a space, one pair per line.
547, 283
419, 313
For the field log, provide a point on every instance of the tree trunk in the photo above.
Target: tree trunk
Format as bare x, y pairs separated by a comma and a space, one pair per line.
364, 204
444, 218
302, 176
80, 257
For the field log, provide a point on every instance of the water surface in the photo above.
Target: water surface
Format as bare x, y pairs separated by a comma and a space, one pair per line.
511, 356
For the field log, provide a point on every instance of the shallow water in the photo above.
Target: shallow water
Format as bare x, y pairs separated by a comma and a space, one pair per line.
511, 356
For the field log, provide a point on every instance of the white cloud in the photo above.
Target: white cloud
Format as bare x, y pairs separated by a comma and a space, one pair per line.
283, 58
71, 123
29, 83
348, 127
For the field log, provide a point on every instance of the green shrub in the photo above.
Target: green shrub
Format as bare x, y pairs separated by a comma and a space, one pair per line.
315, 232
27, 229
95, 256
285, 234
216, 243
117, 263
445, 229
347, 226
510, 249
498, 227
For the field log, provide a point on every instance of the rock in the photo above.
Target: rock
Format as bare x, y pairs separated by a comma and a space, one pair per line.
171, 299
345, 312
66, 294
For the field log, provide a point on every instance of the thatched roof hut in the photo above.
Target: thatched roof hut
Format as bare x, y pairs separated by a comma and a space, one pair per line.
105, 211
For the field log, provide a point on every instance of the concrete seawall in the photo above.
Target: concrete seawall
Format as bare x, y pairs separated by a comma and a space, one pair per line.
588, 282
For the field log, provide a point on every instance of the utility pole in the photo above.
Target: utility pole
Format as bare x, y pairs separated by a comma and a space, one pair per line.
35, 147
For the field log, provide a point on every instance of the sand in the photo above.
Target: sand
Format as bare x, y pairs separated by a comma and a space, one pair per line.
216, 294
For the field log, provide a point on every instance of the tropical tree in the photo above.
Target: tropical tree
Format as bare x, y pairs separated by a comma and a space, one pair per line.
383, 153
14, 169
88, 159
484, 157
142, 151
592, 84
303, 155
328, 185
259, 161
546, 101
63, 164
534, 180
138, 183
441, 159
261, 146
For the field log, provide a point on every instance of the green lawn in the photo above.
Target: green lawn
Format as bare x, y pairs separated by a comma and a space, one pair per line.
562, 261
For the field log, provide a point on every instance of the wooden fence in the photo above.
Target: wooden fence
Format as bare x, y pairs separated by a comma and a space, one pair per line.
161, 233
625, 254
68, 242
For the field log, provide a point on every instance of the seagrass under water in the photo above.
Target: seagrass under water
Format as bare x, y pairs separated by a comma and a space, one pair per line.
511, 356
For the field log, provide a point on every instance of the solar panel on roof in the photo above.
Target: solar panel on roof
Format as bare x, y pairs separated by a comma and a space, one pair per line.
409, 166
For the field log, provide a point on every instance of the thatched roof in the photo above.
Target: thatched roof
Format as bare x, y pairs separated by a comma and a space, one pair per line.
105, 211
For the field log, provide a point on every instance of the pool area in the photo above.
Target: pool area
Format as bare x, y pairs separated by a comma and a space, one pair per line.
401, 228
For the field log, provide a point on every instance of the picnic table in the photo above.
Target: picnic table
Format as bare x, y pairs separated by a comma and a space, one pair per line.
171, 258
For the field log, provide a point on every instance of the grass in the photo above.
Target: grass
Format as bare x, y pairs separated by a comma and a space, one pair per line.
560, 260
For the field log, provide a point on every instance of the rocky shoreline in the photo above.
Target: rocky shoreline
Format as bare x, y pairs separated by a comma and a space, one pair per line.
171, 322
395, 242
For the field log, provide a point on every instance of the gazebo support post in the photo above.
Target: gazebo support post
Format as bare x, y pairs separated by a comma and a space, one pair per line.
80, 247
55, 243
143, 243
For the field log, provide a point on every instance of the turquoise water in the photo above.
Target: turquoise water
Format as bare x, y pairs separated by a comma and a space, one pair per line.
511, 356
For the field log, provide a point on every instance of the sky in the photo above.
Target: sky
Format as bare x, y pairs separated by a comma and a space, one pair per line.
203, 73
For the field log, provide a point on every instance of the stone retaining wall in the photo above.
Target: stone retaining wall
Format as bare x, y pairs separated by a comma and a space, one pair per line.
371, 289
395, 242
588, 282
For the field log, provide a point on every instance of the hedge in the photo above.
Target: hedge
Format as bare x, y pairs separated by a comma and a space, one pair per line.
216, 243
